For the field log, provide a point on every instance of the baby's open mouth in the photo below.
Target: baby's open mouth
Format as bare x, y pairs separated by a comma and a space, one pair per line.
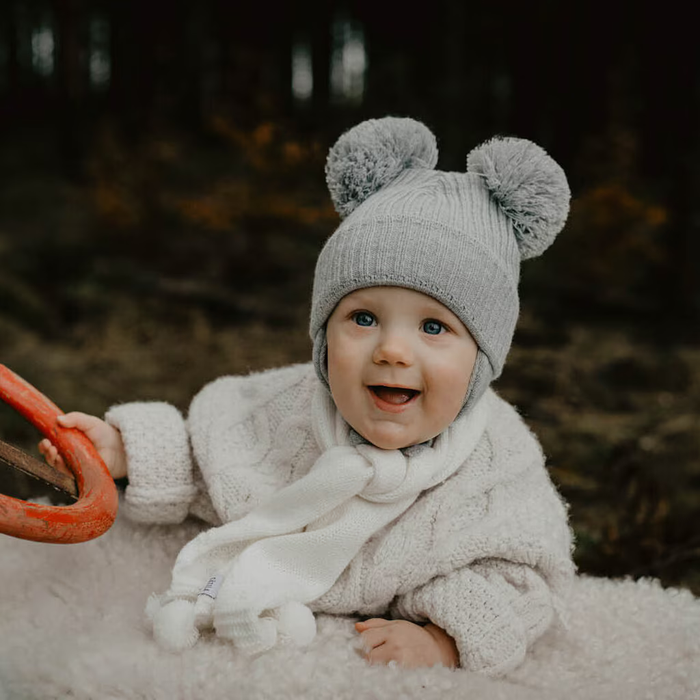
396, 395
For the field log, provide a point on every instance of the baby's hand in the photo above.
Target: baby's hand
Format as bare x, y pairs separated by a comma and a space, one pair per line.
406, 643
106, 440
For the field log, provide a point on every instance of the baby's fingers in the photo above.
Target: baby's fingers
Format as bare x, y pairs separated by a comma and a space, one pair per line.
46, 448
50, 453
96, 430
372, 623
383, 654
76, 419
373, 633
371, 639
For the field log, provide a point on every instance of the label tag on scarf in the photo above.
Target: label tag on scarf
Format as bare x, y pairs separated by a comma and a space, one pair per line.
212, 587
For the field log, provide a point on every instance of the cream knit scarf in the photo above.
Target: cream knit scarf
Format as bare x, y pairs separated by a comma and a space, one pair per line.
252, 578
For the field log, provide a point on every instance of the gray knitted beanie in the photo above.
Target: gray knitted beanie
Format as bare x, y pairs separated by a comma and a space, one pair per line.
458, 237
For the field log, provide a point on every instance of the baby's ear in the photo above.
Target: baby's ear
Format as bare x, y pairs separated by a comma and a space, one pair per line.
374, 153
529, 186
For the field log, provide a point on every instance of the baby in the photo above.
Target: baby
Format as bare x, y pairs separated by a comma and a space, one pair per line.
385, 479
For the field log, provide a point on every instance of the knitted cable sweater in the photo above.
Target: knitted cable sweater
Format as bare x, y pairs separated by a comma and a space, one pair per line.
486, 555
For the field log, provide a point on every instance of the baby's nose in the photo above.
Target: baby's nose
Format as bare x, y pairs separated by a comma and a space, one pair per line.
394, 349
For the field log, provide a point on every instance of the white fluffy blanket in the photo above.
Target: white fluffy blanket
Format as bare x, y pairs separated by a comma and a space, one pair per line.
71, 626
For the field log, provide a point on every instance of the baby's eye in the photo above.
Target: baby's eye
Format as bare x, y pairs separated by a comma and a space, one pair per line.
433, 327
363, 318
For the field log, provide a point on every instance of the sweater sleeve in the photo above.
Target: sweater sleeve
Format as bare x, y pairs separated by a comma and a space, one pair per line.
251, 436
159, 466
493, 609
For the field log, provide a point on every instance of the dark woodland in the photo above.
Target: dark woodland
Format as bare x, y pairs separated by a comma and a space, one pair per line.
162, 203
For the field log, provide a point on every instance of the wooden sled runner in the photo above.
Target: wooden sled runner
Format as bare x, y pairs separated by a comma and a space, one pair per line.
96, 506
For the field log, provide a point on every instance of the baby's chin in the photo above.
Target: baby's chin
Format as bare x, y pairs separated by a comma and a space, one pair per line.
391, 440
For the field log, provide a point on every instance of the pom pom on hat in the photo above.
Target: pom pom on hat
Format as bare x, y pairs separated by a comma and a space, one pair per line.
458, 237
374, 153
529, 186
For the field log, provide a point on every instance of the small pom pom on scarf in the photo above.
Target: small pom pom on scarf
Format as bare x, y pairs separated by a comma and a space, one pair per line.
296, 624
374, 153
173, 624
529, 186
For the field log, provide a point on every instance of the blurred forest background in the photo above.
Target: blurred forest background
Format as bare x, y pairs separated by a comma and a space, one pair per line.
162, 202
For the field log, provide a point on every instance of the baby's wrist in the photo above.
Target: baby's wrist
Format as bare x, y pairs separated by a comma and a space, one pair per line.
118, 469
446, 644
118, 466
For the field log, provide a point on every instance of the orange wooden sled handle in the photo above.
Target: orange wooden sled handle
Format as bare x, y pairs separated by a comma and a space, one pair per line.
96, 508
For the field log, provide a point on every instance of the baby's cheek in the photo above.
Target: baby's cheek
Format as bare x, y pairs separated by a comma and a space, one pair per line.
455, 380
445, 400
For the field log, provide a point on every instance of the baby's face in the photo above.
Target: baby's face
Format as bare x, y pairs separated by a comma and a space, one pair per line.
399, 364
